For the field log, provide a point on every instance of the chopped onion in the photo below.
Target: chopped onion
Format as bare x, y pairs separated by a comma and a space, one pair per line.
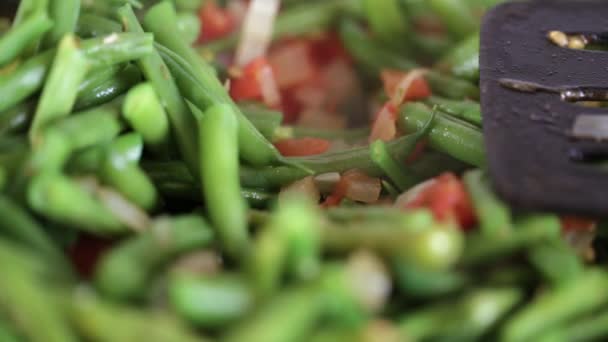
385, 126
327, 181
316, 118
369, 280
206, 262
127, 213
257, 30
381, 331
404, 85
361, 187
268, 85
409, 196
305, 187
591, 127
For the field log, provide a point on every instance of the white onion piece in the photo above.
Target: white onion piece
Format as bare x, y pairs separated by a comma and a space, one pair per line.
207, 262
305, 187
409, 196
257, 30
404, 86
268, 85
327, 181
369, 279
127, 213
362, 188
591, 127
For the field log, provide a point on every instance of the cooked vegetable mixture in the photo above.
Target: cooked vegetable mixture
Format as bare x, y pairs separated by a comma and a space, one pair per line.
268, 171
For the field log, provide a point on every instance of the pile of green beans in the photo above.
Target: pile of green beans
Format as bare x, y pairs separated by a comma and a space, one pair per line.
139, 202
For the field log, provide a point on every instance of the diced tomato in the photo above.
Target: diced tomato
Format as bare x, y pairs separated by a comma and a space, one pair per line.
256, 83
448, 199
302, 147
393, 81
385, 125
217, 22
86, 252
329, 48
292, 63
573, 223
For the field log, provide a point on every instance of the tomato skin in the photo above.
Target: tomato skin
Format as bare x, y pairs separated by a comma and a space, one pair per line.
247, 86
448, 199
86, 252
217, 22
574, 223
418, 90
385, 125
302, 147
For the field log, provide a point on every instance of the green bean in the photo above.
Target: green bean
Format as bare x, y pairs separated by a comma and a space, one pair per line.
449, 135
374, 58
399, 175
91, 25
98, 320
257, 198
420, 283
41, 320
466, 110
16, 119
348, 135
291, 314
28, 9
120, 171
156, 71
65, 16
16, 40
456, 17
587, 329
387, 22
268, 122
107, 126
211, 301
60, 199
145, 114
219, 176
6, 333
461, 319
188, 5
557, 306
28, 78
494, 215
19, 225
102, 87
202, 87
189, 26
125, 271
69, 69
360, 157
266, 263
463, 60
528, 232
557, 261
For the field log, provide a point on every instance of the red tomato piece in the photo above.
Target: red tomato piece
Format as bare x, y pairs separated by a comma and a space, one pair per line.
217, 22
573, 223
447, 199
86, 252
255, 83
419, 88
302, 147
